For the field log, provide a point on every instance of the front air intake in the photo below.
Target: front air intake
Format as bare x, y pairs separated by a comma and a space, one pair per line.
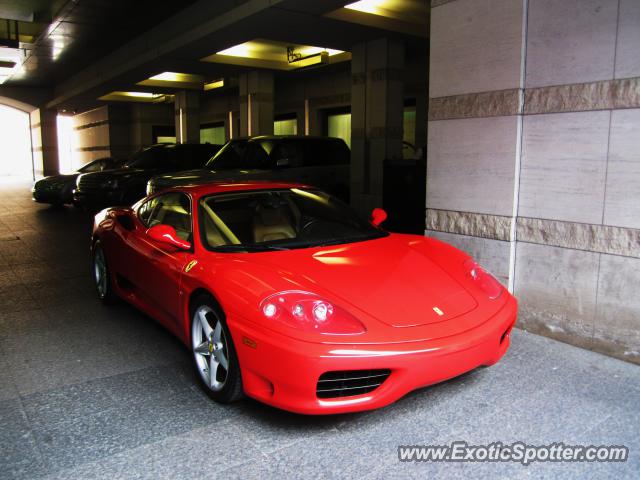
350, 382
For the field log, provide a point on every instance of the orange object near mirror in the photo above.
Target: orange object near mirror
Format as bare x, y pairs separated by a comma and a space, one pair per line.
378, 215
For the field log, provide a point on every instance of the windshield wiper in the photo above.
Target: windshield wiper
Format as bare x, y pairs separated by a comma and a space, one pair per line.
240, 247
341, 240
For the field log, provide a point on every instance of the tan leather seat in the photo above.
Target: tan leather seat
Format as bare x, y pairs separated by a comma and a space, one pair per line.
272, 223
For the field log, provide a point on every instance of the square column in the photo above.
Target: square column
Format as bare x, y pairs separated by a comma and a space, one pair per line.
376, 117
256, 103
187, 112
44, 142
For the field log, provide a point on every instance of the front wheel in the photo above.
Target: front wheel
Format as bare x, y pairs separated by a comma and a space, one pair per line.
101, 275
213, 351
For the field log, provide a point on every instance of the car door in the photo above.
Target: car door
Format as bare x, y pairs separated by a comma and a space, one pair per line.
156, 268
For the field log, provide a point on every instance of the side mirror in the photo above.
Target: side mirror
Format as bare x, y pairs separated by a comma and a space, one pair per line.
378, 215
283, 162
167, 235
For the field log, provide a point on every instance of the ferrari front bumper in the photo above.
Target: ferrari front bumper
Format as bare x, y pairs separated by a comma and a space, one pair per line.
284, 373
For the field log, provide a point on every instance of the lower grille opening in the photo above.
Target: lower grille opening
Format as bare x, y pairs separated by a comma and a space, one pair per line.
350, 382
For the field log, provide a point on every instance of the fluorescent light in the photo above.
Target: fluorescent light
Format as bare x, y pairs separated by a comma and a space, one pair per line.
374, 7
242, 50
174, 79
57, 47
305, 51
177, 77
167, 77
139, 94
214, 84
136, 96
10, 63
316, 59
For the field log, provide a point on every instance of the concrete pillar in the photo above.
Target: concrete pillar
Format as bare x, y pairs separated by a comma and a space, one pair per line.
475, 123
256, 103
421, 120
187, 111
44, 142
376, 117
533, 158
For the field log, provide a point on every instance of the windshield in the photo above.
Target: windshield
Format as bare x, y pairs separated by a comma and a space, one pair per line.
148, 158
94, 166
279, 220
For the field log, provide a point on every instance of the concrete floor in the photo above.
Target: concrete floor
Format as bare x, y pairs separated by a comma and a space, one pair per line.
94, 392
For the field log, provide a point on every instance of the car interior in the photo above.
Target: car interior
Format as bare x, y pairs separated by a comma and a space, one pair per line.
264, 219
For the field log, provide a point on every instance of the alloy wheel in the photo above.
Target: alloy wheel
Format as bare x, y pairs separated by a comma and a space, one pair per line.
210, 349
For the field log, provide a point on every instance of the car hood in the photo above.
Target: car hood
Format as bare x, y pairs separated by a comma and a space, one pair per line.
57, 180
404, 288
387, 279
123, 175
119, 173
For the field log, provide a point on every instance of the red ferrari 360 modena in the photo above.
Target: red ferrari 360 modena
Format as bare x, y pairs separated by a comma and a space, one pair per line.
285, 294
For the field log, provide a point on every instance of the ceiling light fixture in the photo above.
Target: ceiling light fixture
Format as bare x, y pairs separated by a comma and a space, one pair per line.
374, 7
299, 60
167, 77
214, 84
174, 79
147, 97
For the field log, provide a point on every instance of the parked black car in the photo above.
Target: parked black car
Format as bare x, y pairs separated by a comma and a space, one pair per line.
58, 189
127, 184
319, 161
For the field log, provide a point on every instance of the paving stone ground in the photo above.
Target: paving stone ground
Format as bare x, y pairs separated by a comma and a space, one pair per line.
94, 392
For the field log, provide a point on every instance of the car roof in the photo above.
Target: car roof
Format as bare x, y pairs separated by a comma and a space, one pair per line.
222, 187
304, 138
182, 146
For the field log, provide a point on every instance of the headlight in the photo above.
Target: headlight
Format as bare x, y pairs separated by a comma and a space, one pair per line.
149, 188
310, 313
487, 282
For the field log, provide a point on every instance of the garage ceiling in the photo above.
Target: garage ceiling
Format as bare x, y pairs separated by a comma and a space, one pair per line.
94, 47
66, 36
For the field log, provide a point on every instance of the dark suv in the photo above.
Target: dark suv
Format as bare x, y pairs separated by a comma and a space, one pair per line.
319, 161
126, 185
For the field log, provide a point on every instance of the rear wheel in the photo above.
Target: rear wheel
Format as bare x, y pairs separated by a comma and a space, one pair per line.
101, 275
214, 355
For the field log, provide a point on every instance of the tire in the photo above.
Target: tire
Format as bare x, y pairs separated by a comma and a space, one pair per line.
101, 274
212, 347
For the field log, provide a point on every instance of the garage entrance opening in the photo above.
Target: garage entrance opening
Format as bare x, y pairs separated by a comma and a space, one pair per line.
15, 144
67, 160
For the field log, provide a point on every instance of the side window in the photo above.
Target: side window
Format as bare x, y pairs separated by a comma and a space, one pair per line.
257, 157
230, 156
289, 152
146, 209
173, 209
